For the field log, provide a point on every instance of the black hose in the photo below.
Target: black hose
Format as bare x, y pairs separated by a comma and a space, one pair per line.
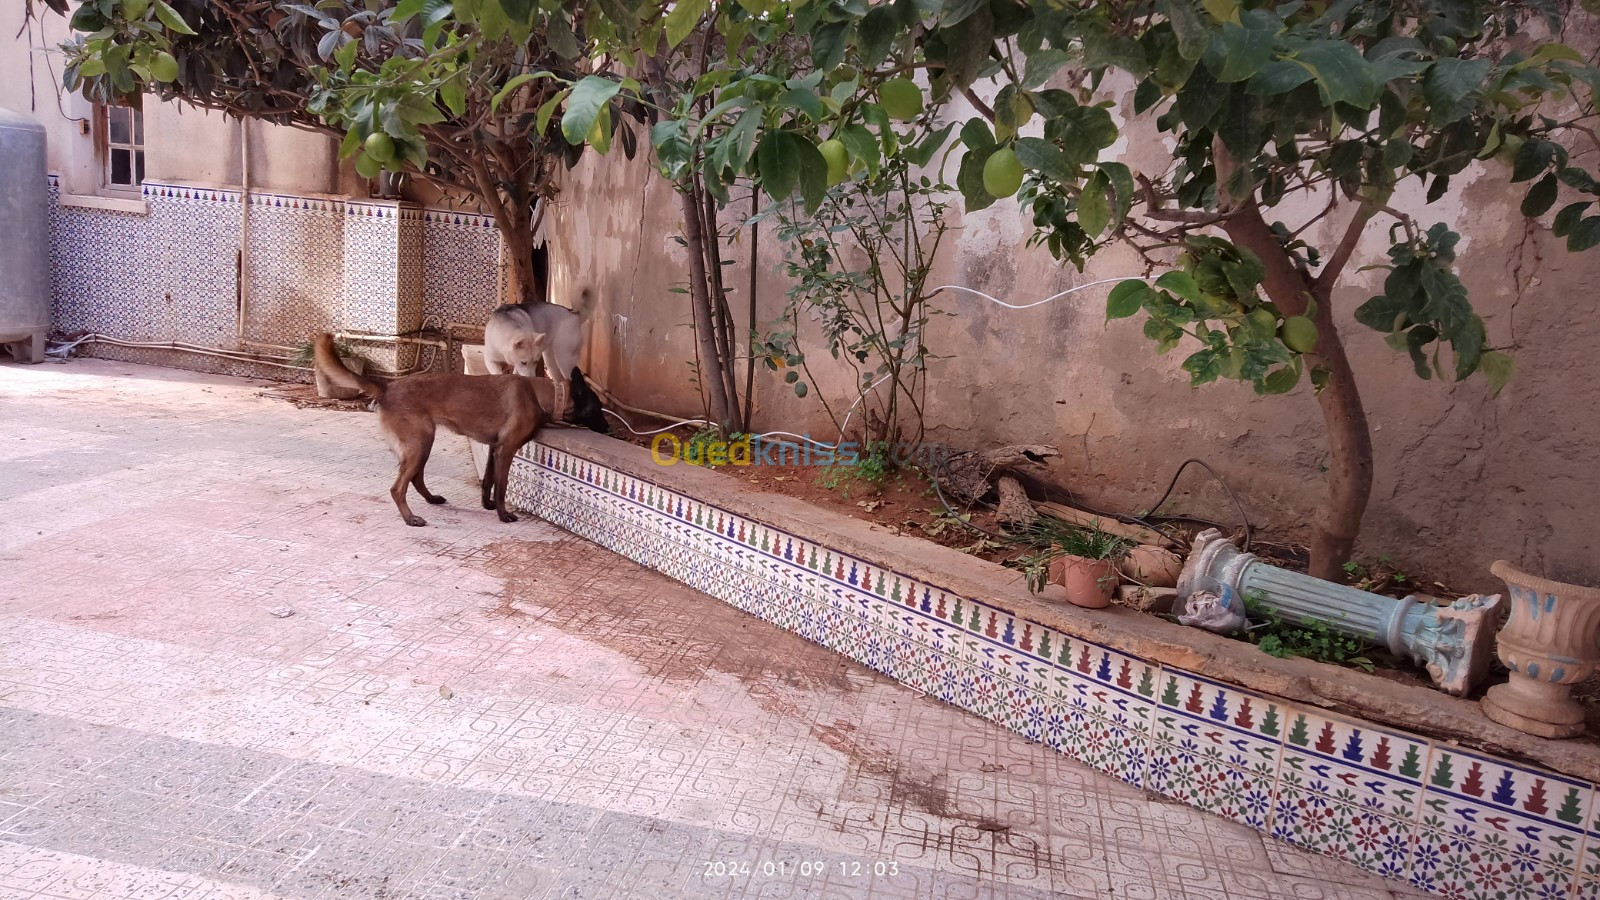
1149, 521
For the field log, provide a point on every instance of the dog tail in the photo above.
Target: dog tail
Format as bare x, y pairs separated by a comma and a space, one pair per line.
328, 363
584, 303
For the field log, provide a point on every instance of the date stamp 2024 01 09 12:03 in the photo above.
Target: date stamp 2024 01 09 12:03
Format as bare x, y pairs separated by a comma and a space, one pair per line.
804, 868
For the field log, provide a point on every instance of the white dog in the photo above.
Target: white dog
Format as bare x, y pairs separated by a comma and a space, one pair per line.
519, 334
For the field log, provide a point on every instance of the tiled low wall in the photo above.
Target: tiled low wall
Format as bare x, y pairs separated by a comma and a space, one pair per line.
1453, 822
171, 274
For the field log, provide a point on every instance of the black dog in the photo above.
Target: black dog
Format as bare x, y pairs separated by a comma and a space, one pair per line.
586, 409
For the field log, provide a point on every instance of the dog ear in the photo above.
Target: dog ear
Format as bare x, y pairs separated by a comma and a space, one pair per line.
520, 343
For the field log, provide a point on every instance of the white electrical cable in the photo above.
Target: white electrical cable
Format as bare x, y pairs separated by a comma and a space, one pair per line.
947, 287
1056, 296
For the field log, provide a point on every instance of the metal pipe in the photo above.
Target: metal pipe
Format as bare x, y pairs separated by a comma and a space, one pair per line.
186, 348
242, 309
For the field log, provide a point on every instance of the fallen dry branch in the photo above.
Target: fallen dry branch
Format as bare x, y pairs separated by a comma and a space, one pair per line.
1074, 516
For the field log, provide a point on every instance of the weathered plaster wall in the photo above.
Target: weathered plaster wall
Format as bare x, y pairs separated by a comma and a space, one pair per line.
1463, 478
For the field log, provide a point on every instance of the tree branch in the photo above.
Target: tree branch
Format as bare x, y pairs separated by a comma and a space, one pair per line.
1323, 285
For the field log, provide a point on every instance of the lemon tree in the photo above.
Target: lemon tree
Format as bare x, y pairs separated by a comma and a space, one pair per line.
458, 94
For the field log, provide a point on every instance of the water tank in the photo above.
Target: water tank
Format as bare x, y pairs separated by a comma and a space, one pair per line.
24, 237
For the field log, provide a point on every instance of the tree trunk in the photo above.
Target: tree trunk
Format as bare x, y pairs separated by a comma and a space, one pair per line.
519, 246
1349, 476
722, 316
711, 362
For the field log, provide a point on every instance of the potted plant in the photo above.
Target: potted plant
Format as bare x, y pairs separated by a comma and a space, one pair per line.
1549, 644
352, 359
1085, 563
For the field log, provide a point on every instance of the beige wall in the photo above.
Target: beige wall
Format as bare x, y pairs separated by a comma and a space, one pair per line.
1463, 478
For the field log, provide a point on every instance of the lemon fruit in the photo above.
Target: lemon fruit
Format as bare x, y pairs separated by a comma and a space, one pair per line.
1299, 334
837, 158
900, 98
164, 67
1002, 173
380, 147
1263, 320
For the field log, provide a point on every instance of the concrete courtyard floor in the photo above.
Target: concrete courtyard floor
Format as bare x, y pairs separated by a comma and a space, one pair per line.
228, 670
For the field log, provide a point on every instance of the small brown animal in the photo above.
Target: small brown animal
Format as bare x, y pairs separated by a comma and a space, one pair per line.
501, 411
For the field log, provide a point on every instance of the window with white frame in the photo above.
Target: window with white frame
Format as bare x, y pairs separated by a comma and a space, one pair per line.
123, 130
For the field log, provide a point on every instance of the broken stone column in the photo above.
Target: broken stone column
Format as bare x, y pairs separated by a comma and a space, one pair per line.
1454, 643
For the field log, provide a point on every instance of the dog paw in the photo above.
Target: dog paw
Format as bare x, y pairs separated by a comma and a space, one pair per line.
488, 504
508, 517
435, 499
416, 521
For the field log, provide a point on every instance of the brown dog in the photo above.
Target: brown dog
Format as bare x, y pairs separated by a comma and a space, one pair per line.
498, 410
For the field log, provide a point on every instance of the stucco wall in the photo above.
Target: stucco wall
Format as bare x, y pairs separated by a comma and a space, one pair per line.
1463, 478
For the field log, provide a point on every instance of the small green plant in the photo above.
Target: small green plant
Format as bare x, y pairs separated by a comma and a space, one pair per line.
1313, 640
305, 353
1057, 539
708, 448
1092, 543
874, 467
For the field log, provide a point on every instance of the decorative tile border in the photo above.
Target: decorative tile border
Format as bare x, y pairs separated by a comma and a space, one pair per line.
1456, 823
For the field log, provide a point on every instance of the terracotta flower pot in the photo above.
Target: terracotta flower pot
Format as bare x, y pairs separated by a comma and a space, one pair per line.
330, 391
1090, 583
1549, 644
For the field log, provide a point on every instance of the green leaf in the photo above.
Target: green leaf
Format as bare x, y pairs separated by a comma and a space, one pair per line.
558, 33
1418, 337
1541, 197
1343, 75
511, 86
1450, 85
1039, 155
682, 19
518, 11
1279, 77
1280, 381
1533, 157
1082, 132
1203, 366
1584, 235
549, 108
1568, 218
1126, 299
1498, 368
976, 135
170, 18
1094, 211
1193, 38
1239, 51
778, 158
862, 144
876, 34
969, 179
588, 99
1042, 65
813, 172
1180, 283
350, 144
1467, 342
1222, 10
1122, 190
828, 45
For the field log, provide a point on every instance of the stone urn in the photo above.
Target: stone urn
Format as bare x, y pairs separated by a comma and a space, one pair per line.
1549, 644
